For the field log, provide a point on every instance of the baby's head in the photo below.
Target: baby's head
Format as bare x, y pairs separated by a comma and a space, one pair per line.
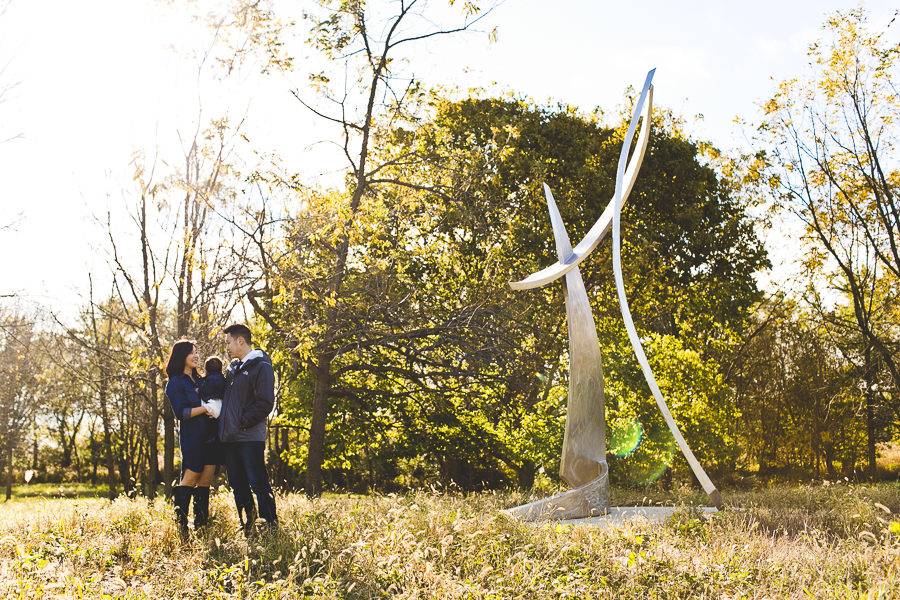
213, 365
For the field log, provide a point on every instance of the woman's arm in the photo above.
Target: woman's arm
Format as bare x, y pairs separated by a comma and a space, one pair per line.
181, 406
197, 411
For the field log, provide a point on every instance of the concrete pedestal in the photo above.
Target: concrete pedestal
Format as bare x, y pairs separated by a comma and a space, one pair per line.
618, 515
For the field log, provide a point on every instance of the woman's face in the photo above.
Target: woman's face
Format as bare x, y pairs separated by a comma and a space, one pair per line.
192, 360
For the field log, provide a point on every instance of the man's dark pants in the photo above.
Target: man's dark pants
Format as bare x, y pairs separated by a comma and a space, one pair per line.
246, 465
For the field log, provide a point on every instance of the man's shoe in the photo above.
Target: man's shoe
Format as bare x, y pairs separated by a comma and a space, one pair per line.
271, 528
248, 515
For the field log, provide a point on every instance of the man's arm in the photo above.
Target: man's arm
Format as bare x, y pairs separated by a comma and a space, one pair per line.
263, 389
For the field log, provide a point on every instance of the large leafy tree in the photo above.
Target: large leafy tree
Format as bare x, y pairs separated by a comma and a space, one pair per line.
363, 87
439, 363
691, 249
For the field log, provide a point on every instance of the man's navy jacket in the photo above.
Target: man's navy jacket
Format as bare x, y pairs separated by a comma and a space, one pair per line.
249, 398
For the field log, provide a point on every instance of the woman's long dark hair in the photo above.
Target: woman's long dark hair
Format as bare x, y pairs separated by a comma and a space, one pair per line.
180, 351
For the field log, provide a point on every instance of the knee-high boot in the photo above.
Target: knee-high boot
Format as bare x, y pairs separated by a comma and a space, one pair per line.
201, 507
181, 496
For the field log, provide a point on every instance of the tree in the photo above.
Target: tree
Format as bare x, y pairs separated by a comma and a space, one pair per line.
343, 33
19, 393
691, 250
67, 405
103, 365
832, 149
797, 392
190, 272
199, 264
98, 338
438, 363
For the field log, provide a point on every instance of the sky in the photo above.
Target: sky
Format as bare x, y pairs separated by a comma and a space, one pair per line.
101, 79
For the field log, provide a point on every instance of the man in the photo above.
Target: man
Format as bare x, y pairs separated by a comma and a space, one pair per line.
248, 400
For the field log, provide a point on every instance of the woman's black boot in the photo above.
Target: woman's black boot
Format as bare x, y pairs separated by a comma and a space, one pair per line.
201, 507
181, 496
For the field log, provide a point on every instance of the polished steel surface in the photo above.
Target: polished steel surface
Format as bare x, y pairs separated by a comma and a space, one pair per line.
704, 480
582, 502
584, 445
571, 259
583, 464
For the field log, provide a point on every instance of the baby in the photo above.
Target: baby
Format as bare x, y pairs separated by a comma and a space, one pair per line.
212, 387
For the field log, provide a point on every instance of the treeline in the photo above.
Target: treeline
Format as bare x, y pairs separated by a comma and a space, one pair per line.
404, 359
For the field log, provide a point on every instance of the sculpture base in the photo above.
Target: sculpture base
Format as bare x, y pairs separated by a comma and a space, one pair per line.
588, 500
618, 516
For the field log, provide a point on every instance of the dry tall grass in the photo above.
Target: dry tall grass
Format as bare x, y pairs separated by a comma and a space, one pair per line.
835, 541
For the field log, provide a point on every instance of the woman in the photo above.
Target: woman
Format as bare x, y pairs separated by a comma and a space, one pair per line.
199, 447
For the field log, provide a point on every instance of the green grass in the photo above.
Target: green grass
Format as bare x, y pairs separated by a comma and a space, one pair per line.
830, 541
34, 491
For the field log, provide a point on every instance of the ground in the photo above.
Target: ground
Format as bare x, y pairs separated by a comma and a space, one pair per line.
819, 541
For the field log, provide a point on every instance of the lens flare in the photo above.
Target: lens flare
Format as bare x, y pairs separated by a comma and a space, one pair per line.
625, 436
652, 457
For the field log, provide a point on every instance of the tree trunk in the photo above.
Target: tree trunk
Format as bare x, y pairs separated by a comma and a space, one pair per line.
94, 460
870, 418
34, 448
125, 475
458, 472
870, 432
316, 453
66, 460
153, 438
9, 472
829, 461
817, 440
107, 442
77, 462
283, 475
525, 474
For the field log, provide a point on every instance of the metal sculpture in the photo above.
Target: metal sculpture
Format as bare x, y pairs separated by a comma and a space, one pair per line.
583, 464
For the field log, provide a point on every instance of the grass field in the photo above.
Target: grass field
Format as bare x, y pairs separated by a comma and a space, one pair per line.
833, 541
44, 491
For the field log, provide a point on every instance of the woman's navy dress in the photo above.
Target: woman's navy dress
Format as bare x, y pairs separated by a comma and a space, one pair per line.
198, 447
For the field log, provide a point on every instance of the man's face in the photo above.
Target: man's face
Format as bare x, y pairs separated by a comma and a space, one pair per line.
234, 346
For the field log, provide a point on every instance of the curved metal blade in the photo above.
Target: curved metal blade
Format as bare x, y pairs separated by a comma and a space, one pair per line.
708, 486
563, 245
603, 224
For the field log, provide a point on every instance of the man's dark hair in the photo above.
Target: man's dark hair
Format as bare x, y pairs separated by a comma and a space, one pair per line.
180, 351
237, 330
213, 365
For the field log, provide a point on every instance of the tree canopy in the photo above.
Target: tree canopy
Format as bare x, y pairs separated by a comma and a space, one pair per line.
438, 364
